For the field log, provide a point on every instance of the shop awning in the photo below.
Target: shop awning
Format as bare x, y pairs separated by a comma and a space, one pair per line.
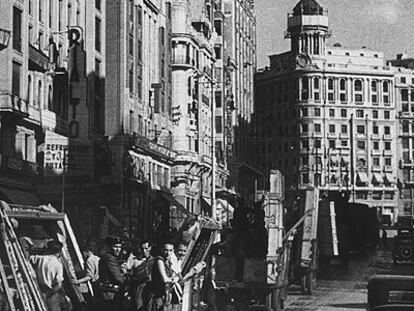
174, 202
377, 179
224, 209
389, 179
18, 196
362, 177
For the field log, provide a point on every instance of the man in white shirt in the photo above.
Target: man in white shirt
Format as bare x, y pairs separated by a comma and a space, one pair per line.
49, 274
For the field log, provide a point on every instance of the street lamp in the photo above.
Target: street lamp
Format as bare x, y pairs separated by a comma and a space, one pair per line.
4, 38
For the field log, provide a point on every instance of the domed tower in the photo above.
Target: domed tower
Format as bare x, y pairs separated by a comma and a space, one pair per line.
308, 28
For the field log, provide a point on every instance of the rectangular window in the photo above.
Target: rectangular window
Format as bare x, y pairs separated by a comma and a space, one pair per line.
360, 129
317, 128
404, 95
387, 145
219, 125
360, 113
40, 40
332, 144
387, 130
97, 34
69, 14
375, 114
344, 129
386, 115
376, 161
374, 98
51, 13
17, 29
388, 161
305, 128
343, 113
40, 10
317, 143
61, 23
16, 79
403, 80
375, 129
317, 112
304, 112
376, 145
361, 144
412, 95
332, 112
332, 128
344, 143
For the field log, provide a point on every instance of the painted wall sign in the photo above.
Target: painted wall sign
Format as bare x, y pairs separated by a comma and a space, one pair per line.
60, 150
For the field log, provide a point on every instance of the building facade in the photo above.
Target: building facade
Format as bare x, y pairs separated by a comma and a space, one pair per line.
404, 96
240, 65
196, 76
43, 136
138, 113
327, 115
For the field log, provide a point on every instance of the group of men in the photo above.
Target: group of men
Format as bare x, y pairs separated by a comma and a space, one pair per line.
135, 280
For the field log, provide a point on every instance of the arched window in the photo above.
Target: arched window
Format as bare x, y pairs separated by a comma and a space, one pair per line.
29, 90
39, 95
50, 99
358, 85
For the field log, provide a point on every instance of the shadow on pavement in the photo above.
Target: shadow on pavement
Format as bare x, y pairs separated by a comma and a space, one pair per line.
349, 305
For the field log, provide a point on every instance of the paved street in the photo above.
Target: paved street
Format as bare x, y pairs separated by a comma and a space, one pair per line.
330, 295
345, 289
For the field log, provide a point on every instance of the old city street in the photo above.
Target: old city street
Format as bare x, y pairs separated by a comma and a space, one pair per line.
345, 289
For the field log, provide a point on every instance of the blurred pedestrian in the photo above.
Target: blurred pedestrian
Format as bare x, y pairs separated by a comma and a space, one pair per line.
91, 270
112, 281
176, 266
49, 274
161, 279
142, 276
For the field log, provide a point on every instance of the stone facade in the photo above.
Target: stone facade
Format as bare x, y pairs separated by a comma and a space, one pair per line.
327, 115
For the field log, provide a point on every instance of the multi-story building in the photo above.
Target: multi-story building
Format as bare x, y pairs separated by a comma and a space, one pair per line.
404, 97
45, 127
327, 114
138, 112
239, 59
196, 76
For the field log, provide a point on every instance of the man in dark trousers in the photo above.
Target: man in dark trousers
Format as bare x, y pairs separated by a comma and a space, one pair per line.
111, 279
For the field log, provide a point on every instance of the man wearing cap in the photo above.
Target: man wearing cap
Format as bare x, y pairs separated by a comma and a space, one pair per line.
49, 274
111, 278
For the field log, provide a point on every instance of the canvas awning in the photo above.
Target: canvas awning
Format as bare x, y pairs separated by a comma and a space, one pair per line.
174, 202
362, 177
389, 179
377, 178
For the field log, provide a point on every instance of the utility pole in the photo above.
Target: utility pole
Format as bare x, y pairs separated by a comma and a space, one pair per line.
213, 148
351, 133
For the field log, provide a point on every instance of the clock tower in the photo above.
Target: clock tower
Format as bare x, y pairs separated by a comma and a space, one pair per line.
308, 29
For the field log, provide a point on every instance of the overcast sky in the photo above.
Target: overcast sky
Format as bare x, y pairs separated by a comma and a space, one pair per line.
384, 25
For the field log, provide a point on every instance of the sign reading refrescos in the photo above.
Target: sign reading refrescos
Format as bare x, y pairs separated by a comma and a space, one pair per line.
61, 153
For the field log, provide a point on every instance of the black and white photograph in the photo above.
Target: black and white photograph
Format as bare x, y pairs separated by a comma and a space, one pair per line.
206, 155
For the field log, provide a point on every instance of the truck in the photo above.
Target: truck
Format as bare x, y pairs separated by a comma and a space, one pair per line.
256, 277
